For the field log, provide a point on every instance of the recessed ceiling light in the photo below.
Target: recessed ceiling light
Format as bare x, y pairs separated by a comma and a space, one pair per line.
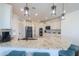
22, 9
36, 14
64, 11
46, 17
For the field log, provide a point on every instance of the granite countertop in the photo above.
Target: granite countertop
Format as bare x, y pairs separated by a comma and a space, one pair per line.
43, 42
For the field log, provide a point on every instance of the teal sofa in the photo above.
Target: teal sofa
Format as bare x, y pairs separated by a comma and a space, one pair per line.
72, 50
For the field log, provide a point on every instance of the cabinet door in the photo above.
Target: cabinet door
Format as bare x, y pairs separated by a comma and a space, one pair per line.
40, 31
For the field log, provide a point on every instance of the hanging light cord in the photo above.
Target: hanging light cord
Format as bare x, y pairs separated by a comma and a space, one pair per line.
63, 9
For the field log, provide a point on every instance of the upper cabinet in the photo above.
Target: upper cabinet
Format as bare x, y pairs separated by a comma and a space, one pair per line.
5, 16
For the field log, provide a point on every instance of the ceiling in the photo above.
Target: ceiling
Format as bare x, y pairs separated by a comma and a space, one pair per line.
44, 9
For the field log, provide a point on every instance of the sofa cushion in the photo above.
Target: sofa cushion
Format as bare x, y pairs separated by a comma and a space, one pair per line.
16, 53
41, 54
66, 53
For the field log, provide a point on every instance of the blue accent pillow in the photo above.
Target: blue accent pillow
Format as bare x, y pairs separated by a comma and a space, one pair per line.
41, 54
16, 53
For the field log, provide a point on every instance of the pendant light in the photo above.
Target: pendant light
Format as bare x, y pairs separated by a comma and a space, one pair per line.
26, 10
63, 14
53, 9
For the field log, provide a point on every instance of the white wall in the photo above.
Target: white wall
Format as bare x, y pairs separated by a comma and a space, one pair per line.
5, 16
18, 27
70, 27
14, 26
21, 26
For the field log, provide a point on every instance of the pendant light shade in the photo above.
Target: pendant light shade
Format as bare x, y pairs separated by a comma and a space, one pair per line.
53, 9
62, 16
25, 10
64, 12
